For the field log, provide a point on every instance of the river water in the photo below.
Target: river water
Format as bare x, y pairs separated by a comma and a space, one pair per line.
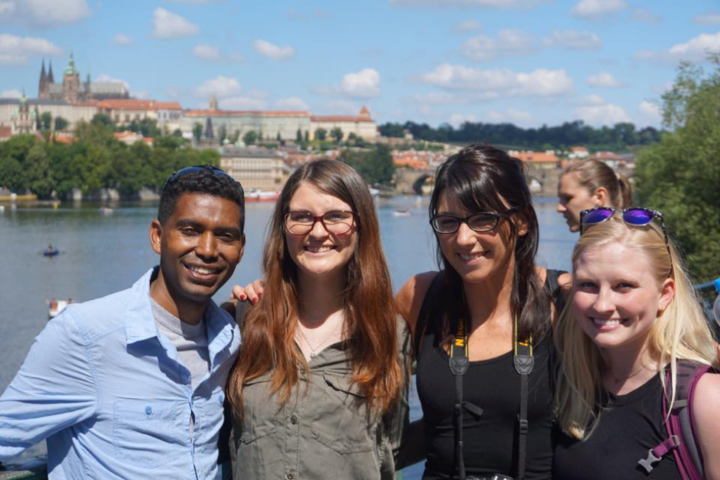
101, 254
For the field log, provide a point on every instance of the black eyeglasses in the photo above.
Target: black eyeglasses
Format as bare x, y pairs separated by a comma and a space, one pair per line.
478, 222
193, 169
637, 217
337, 222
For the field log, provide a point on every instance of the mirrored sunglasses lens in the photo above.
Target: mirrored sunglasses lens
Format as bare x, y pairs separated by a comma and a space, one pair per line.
638, 216
597, 216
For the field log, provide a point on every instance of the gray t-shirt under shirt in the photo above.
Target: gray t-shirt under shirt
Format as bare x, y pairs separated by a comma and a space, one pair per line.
190, 340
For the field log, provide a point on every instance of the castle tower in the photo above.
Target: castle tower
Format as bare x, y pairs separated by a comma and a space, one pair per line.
71, 82
42, 89
50, 77
213, 102
364, 112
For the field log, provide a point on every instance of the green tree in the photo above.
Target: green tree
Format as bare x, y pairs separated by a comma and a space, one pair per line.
102, 119
376, 166
250, 138
680, 175
197, 131
234, 137
320, 134
307, 136
222, 134
337, 134
37, 172
61, 123
45, 121
298, 136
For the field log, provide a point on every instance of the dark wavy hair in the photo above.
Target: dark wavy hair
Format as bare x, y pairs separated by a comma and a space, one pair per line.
484, 178
204, 180
371, 329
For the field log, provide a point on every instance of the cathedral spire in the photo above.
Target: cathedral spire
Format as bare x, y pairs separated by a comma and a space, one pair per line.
43, 79
50, 77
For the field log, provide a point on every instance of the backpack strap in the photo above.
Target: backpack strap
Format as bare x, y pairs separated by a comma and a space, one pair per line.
681, 439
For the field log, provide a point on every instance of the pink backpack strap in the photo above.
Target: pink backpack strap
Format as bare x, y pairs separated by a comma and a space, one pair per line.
680, 423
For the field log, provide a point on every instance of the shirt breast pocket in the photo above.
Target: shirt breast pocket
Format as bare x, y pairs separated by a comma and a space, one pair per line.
343, 424
148, 433
260, 410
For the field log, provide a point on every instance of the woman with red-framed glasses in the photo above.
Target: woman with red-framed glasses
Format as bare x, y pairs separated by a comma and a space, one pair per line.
319, 388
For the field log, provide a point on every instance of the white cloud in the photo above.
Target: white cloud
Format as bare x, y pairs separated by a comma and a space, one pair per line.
273, 51
594, 110
14, 93
342, 107
573, 40
710, 18
507, 42
597, 8
470, 3
16, 50
500, 82
104, 77
467, 26
244, 102
170, 25
222, 87
362, 84
650, 113
206, 52
121, 39
602, 80
43, 13
518, 117
693, 50
291, 103
457, 119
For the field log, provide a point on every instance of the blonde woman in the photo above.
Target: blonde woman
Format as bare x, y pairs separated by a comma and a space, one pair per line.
632, 316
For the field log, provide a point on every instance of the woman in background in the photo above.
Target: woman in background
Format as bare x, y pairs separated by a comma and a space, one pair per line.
588, 184
319, 389
633, 315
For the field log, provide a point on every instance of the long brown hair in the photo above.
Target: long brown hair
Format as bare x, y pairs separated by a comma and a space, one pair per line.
594, 174
480, 176
370, 321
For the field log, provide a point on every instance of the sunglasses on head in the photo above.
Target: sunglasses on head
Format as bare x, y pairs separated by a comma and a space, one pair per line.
634, 216
194, 169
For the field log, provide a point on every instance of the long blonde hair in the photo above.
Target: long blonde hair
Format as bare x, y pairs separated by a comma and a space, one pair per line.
679, 332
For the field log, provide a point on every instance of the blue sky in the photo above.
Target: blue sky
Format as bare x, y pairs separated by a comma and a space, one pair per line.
529, 62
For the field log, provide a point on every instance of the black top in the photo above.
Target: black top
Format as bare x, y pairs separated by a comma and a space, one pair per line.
629, 426
490, 440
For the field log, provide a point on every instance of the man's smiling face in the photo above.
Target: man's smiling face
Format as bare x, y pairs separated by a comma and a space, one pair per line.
200, 245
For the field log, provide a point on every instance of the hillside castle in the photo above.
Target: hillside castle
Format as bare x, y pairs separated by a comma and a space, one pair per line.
72, 90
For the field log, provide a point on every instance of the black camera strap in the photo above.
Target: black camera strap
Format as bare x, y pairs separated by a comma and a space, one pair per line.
459, 363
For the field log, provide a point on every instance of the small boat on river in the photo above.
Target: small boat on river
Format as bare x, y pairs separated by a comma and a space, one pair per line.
106, 211
401, 212
260, 196
50, 251
55, 307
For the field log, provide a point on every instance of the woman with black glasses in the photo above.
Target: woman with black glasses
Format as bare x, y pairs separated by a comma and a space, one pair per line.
482, 325
319, 389
633, 400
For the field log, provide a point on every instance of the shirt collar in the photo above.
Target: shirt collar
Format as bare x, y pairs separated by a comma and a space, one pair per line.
140, 323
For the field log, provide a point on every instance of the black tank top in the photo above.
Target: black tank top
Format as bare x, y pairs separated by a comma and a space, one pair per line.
490, 440
630, 426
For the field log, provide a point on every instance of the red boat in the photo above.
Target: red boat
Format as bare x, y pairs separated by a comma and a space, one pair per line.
258, 196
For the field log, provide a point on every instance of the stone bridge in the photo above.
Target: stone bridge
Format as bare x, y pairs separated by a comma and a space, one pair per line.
541, 180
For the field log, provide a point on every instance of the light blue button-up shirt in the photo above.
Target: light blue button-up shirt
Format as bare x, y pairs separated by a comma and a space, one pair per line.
112, 400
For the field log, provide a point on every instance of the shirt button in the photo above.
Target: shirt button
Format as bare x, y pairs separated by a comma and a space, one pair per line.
148, 410
293, 420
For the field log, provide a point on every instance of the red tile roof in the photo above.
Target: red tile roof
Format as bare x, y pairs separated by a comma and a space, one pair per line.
134, 104
339, 118
257, 113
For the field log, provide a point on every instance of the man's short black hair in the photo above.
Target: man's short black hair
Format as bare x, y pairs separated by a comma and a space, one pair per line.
206, 181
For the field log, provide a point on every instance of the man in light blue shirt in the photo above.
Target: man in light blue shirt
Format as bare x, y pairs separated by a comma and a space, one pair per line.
113, 394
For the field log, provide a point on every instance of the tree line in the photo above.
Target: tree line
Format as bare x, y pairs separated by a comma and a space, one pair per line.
94, 161
561, 137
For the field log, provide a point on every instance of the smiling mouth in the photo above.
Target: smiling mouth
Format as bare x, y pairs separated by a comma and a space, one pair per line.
469, 257
203, 272
319, 248
611, 322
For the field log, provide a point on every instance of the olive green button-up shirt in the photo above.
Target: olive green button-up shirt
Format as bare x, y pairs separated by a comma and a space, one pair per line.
324, 431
